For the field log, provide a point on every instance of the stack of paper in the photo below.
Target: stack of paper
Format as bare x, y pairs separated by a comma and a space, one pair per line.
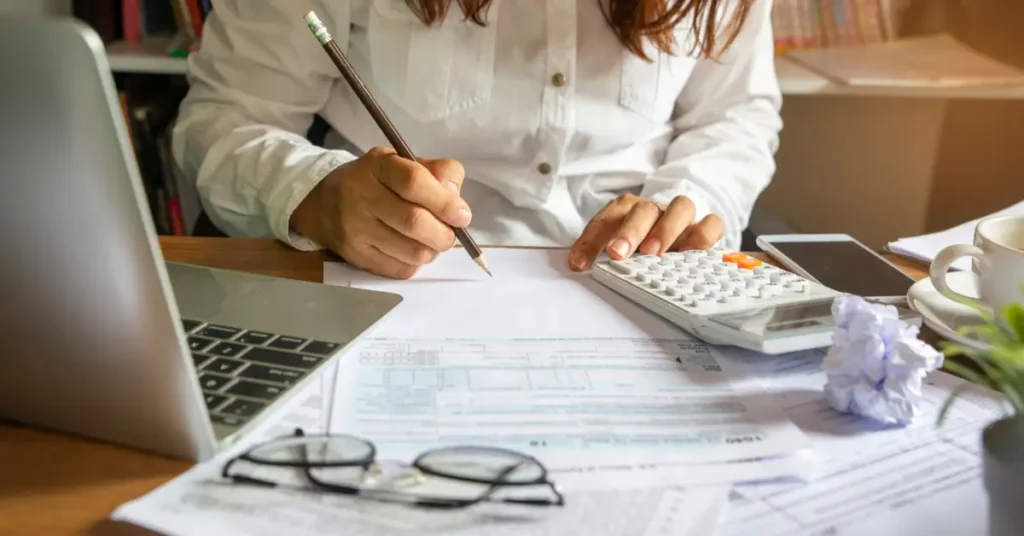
553, 364
646, 430
925, 248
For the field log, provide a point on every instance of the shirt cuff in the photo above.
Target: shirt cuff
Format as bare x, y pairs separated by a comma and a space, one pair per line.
289, 198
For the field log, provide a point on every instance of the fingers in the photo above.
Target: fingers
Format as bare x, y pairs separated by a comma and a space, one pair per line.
670, 227
447, 171
373, 260
400, 247
634, 227
597, 233
413, 221
703, 234
414, 183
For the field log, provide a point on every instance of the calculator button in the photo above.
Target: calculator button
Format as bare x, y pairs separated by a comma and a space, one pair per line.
733, 257
642, 278
672, 292
622, 267
656, 284
749, 262
775, 278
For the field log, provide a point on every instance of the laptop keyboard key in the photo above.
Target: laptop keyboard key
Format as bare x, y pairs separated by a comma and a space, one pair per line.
223, 366
214, 401
189, 325
321, 348
230, 420
286, 343
272, 374
200, 359
255, 390
254, 337
242, 408
218, 332
227, 349
212, 383
284, 359
198, 344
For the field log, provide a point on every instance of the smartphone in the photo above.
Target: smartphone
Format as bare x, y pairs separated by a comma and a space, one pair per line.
839, 262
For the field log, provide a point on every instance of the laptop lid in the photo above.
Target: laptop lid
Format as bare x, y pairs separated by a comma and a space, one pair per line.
93, 345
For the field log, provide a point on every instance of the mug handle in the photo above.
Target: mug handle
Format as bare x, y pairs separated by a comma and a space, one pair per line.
940, 267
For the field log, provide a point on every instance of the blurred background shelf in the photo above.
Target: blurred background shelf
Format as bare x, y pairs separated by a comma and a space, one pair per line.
149, 56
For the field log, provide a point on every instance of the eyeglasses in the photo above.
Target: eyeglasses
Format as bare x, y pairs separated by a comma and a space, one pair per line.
345, 464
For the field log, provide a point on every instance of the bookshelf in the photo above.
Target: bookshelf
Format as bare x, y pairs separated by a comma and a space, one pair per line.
147, 57
151, 57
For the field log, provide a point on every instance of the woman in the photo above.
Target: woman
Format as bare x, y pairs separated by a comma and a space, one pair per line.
607, 125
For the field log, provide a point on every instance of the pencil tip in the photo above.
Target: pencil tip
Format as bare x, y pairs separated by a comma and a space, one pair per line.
482, 263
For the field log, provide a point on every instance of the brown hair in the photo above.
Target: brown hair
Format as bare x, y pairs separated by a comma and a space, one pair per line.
631, 20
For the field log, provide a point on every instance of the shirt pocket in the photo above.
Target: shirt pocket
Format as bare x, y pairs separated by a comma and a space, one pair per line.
651, 88
431, 72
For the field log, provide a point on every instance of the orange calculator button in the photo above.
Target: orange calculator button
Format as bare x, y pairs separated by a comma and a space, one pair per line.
734, 257
750, 263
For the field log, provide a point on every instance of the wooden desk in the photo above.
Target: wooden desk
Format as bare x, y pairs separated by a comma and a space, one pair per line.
52, 484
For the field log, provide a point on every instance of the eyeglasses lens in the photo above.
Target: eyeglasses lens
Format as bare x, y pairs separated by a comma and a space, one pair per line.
482, 465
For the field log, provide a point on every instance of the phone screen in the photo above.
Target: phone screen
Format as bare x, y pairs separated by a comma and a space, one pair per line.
847, 267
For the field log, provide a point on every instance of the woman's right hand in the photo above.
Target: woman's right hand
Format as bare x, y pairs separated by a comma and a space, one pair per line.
386, 214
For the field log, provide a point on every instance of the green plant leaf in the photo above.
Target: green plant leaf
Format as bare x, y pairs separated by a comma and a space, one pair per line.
1013, 314
943, 412
968, 374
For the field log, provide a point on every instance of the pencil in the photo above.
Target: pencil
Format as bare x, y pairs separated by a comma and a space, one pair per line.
347, 71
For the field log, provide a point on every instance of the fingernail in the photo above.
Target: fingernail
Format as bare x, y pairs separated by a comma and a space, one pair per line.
452, 187
462, 217
578, 260
652, 247
620, 247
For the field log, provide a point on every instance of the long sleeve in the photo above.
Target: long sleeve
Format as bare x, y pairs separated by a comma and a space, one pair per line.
255, 86
727, 129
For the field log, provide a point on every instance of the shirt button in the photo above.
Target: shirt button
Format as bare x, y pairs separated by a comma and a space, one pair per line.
558, 79
544, 168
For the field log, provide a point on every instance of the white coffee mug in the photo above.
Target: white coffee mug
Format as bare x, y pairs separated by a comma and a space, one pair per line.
998, 253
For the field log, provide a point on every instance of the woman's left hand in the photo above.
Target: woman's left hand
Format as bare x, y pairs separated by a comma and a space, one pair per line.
630, 223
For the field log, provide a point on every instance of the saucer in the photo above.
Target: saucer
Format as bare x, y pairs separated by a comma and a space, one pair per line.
944, 315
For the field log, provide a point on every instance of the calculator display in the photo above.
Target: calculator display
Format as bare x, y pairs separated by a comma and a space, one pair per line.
780, 319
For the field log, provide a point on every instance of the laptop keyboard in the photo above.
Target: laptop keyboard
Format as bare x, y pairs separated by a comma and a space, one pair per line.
242, 371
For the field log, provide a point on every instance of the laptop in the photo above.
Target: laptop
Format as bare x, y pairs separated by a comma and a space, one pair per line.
102, 338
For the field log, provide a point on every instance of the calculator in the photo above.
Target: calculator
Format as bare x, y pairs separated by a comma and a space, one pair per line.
727, 298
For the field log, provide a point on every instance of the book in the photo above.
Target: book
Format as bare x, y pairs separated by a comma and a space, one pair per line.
931, 61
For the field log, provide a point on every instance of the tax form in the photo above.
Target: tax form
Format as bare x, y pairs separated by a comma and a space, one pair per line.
566, 401
199, 503
550, 362
873, 479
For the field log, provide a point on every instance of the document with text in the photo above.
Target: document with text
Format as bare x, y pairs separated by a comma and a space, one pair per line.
873, 479
569, 402
200, 503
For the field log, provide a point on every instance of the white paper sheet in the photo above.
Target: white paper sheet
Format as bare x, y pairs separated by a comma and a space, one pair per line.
926, 247
532, 295
199, 503
876, 480
570, 402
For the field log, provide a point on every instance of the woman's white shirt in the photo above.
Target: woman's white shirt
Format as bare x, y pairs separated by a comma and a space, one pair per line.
549, 114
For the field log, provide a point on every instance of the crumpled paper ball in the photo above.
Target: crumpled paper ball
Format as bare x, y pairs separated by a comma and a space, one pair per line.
876, 364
